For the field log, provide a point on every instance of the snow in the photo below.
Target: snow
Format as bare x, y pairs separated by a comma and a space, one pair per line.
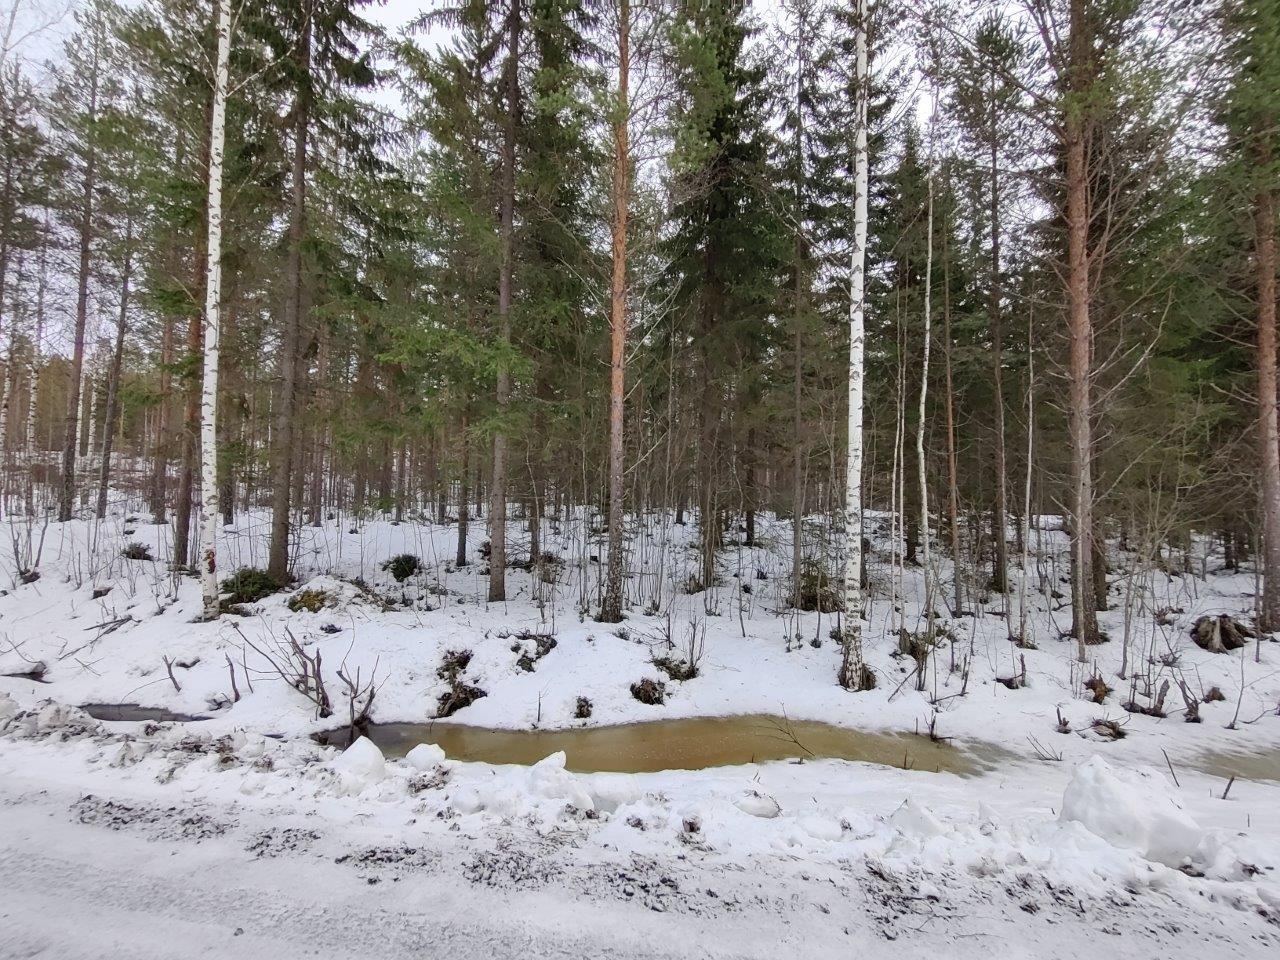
1135, 809
425, 756
757, 804
361, 764
1133, 847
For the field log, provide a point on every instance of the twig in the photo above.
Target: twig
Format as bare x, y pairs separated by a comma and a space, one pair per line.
168, 665
235, 692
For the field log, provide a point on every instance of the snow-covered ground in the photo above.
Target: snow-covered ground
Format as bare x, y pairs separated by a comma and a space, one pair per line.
237, 833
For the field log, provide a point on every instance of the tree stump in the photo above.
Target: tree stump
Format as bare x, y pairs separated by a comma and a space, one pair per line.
1220, 634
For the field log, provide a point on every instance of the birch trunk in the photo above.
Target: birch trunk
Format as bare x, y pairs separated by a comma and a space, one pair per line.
9, 382
33, 373
209, 508
953, 485
854, 674
922, 474
999, 532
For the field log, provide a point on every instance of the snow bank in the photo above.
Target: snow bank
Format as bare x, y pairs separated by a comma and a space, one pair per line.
542, 794
1132, 809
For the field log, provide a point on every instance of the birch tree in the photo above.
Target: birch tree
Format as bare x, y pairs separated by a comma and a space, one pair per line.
854, 673
922, 473
209, 506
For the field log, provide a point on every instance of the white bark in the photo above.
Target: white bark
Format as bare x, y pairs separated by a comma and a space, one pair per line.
37, 340
209, 509
9, 388
924, 394
853, 667
1026, 493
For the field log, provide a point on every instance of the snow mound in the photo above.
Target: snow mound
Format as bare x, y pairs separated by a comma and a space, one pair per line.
916, 820
1132, 809
549, 780
46, 719
425, 756
543, 794
361, 764
758, 804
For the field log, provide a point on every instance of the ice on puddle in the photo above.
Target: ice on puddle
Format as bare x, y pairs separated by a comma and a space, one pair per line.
1131, 809
362, 761
425, 756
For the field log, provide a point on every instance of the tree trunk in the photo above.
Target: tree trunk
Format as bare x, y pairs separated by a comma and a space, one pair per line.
1264, 223
283, 438
953, 483
498, 484
611, 607
921, 471
192, 433
1000, 532
160, 465
113, 376
1080, 327
66, 506
464, 493
212, 304
190, 428
854, 674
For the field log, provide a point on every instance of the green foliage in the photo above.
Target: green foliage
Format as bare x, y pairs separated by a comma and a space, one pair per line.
249, 585
817, 590
402, 566
312, 601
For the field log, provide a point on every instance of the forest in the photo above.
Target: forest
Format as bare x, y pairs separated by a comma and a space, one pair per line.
601, 254
897, 375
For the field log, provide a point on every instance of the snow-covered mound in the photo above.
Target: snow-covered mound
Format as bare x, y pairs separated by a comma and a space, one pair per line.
1135, 809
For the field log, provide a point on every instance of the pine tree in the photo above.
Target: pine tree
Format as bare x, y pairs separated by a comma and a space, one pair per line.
83, 88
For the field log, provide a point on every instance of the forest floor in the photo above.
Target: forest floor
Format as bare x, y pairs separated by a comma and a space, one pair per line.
239, 832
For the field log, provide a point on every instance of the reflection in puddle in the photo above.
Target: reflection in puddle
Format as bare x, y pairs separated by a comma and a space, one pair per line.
689, 744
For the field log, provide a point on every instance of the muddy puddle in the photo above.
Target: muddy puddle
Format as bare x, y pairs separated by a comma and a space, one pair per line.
1263, 765
688, 744
134, 712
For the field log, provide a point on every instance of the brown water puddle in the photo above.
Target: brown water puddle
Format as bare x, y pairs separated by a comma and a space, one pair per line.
694, 743
1263, 765
115, 712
